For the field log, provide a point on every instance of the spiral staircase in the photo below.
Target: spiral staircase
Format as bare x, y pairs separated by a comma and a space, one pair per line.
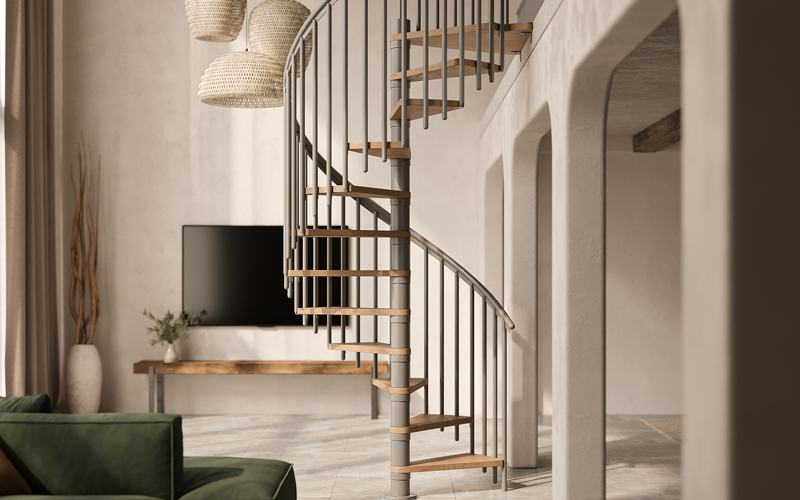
314, 178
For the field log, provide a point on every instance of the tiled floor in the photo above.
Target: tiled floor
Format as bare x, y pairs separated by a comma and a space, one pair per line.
347, 457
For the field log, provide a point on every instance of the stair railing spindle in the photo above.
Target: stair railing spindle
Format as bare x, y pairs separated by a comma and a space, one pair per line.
358, 280
385, 83
345, 131
419, 14
455, 346
494, 408
315, 171
425, 69
425, 326
504, 371
303, 177
484, 376
404, 76
375, 318
491, 40
460, 59
343, 266
478, 49
441, 327
365, 90
455, 22
328, 178
444, 61
472, 368
437, 14
295, 171
504, 21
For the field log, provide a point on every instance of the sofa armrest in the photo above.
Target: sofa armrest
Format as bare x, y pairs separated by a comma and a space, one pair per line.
105, 454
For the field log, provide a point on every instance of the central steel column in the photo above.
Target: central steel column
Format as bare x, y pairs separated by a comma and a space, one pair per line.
400, 327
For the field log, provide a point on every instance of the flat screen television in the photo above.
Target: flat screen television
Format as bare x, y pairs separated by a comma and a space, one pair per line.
235, 274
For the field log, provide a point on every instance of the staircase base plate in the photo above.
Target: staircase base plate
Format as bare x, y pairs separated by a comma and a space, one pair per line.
388, 496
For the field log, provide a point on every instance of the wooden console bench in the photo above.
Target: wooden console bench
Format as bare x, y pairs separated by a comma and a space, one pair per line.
157, 370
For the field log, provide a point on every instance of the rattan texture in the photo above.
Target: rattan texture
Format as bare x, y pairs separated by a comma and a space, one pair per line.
274, 25
216, 20
243, 80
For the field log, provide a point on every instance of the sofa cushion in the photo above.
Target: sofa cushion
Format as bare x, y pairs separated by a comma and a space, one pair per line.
77, 497
224, 478
105, 454
26, 404
11, 483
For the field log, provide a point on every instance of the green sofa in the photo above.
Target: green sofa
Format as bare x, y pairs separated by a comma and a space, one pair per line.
129, 456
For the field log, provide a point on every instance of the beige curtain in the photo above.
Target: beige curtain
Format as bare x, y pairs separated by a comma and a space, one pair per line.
31, 331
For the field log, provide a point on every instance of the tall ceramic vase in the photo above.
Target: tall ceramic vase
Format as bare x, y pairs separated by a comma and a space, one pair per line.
84, 379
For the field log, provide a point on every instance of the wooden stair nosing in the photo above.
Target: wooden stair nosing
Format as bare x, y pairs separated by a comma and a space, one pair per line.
337, 273
449, 462
369, 347
385, 384
360, 192
435, 70
428, 421
415, 108
353, 233
515, 36
352, 311
394, 149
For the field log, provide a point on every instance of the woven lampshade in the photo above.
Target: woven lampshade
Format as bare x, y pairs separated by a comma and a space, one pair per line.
273, 26
216, 20
243, 80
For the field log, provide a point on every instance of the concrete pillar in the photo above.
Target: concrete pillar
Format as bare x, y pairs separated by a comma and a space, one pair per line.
741, 248
578, 128
520, 297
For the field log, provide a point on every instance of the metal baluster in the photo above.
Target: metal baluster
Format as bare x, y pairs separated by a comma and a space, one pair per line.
425, 69
404, 76
365, 96
455, 347
385, 118
494, 410
375, 301
505, 408
287, 146
491, 40
419, 14
358, 280
343, 266
472, 14
292, 194
461, 59
507, 11
478, 49
437, 14
328, 180
444, 60
441, 326
484, 374
295, 288
503, 20
345, 131
455, 22
472, 368
425, 328
303, 174
315, 171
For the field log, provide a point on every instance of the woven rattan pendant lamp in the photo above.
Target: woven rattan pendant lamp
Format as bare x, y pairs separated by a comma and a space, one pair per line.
216, 20
273, 26
243, 80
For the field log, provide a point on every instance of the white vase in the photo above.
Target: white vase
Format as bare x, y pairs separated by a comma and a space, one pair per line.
171, 355
84, 379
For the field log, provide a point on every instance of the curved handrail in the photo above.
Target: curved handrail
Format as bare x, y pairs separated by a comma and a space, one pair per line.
302, 32
422, 242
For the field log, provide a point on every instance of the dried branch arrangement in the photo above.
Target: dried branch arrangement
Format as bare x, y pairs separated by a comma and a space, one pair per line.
83, 250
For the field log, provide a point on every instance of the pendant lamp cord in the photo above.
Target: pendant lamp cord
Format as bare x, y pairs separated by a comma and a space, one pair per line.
246, 29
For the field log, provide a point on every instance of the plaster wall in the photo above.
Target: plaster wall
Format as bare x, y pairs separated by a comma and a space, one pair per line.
643, 369
130, 76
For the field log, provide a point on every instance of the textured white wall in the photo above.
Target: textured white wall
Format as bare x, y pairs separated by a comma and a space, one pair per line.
130, 76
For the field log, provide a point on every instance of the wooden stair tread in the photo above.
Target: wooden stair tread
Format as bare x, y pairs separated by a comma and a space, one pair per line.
361, 192
449, 462
435, 70
353, 233
394, 149
385, 384
369, 347
250, 367
335, 273
352, 311
416, 109
428, 421
514, 38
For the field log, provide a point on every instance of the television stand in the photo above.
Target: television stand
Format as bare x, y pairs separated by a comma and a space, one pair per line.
157, 369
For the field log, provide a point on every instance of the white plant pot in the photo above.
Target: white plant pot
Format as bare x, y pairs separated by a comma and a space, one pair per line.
171, 355
84, 379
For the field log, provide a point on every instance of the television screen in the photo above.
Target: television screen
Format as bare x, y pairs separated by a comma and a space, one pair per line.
235, 274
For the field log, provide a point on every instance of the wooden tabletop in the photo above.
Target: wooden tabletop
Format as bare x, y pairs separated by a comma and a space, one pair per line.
259, 367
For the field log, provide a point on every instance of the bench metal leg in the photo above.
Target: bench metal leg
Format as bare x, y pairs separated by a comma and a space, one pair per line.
160, 382
151, 373
374, 402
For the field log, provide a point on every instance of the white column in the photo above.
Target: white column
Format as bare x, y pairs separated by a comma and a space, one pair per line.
578, 127
520, 297
741, 248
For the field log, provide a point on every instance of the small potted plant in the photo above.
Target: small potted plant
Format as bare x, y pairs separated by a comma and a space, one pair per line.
171, 328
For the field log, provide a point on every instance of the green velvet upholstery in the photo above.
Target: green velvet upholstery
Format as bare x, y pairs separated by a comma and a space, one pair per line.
218, 478
78, 497
105, 454
26, 404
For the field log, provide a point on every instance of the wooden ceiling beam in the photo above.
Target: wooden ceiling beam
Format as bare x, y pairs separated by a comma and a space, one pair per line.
660, 135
